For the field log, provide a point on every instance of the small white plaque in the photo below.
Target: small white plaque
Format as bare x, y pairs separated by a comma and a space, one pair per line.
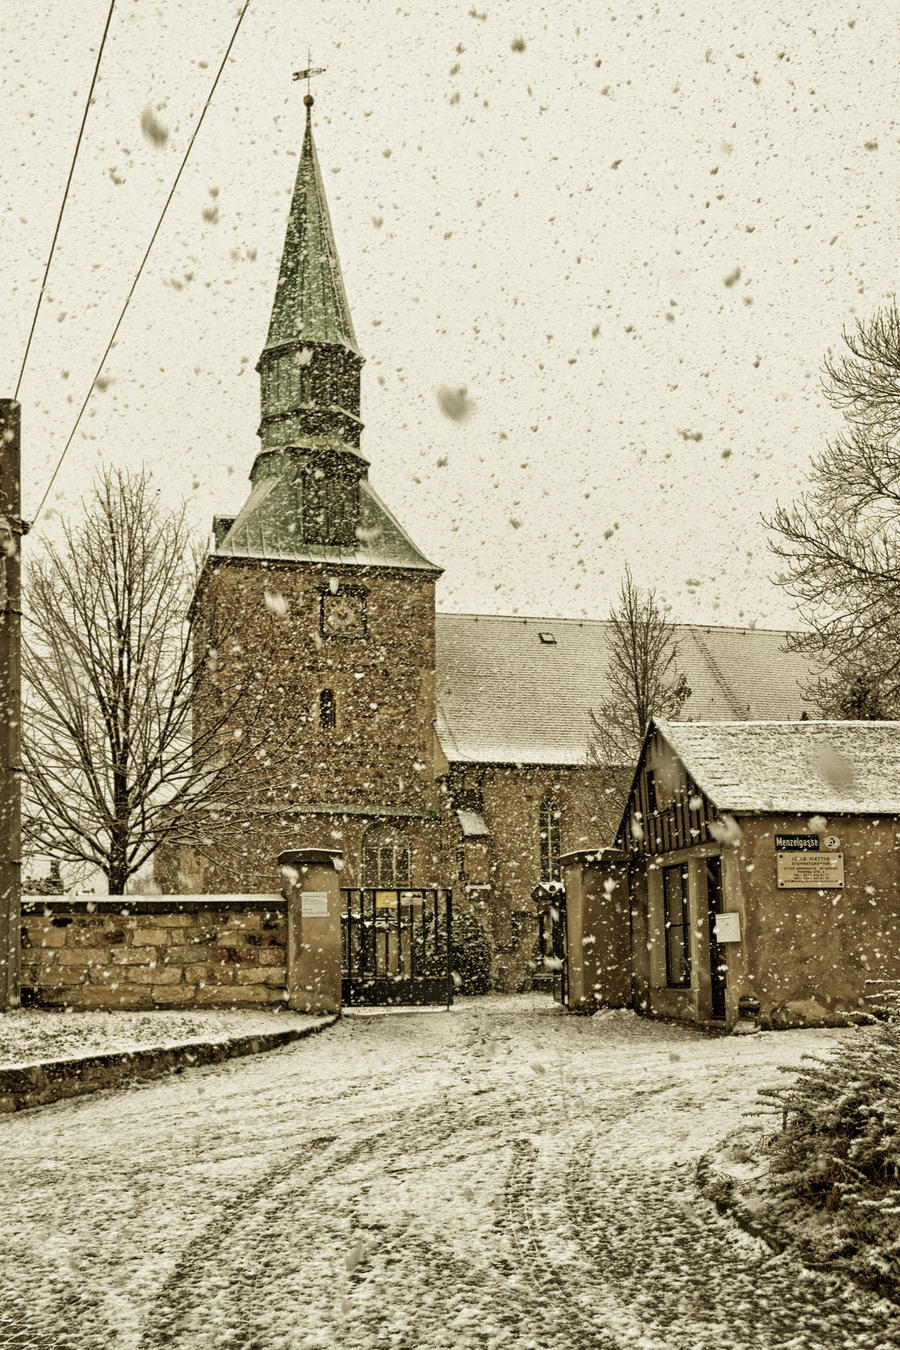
831, 841
728, 927
313, 904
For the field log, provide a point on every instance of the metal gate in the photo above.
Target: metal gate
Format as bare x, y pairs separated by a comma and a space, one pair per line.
396, 946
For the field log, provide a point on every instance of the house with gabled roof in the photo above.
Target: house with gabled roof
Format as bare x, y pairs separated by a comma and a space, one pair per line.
757, 863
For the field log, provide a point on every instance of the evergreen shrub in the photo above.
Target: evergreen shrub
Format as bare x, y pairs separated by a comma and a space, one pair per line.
838, 1151
471, 953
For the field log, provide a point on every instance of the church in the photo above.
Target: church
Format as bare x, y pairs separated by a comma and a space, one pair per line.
431, 749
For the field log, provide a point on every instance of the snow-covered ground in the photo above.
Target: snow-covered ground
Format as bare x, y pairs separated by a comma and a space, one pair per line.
30, 1035
503, 1176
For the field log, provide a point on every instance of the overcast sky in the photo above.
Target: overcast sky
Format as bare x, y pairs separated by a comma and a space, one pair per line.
630, 231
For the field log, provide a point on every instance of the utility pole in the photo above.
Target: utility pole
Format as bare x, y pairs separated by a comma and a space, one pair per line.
11, 531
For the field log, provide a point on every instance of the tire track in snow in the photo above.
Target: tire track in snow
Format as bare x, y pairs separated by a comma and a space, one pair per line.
521, 1191
578, 1328
177, 1296
574, 1292
284, 1218
286, 1245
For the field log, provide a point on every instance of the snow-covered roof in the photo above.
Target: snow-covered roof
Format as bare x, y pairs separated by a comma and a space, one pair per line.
823, 767
267, 528
514, 690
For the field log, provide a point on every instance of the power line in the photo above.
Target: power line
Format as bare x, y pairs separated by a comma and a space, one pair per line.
144, 259
37, 308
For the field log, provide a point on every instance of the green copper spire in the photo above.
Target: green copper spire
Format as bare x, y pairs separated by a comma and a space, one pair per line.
310, 499
310, 366
310, 302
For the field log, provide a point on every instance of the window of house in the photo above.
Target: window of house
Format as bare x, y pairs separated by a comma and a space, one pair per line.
652, 800
678, 941
385, 857
327, 709
550, 839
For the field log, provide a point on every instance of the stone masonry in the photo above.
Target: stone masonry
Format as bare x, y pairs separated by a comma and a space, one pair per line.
210, 951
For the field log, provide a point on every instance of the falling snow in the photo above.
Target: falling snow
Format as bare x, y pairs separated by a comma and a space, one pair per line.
501, 1176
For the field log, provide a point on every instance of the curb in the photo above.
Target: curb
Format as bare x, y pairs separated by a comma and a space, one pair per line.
31, 1085
719, 1188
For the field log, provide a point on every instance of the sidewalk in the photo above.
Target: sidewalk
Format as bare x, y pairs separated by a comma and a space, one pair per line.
48, 1055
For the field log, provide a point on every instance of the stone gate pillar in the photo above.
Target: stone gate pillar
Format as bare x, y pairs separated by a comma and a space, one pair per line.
313, 894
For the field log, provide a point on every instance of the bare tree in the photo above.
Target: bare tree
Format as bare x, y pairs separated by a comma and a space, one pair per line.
133, 727
643, 681
839, 543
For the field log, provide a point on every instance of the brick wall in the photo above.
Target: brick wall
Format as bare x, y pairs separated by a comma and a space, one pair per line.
171, 952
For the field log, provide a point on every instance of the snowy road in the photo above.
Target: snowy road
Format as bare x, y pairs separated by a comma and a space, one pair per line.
500, 1176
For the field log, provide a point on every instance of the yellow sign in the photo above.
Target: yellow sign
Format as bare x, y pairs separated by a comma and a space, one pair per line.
809, 871
385, 899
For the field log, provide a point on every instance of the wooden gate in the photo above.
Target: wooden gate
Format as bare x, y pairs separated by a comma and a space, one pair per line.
396, 946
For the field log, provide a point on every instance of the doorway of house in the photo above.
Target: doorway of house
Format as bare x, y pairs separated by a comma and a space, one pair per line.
717, 966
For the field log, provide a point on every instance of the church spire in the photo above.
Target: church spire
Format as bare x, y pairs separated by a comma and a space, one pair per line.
310, 499
310, 364
310, 300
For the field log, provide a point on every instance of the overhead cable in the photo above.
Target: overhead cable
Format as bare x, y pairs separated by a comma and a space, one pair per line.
137, 277
87, 104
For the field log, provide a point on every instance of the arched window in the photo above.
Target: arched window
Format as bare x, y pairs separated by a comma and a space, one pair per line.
385, 857
327, 709
550, 839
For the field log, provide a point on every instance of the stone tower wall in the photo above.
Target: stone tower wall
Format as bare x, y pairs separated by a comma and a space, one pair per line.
380, 749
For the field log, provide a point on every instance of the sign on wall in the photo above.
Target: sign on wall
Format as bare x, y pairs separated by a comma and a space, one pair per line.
313, 904
796, 843
728, 928
809, 871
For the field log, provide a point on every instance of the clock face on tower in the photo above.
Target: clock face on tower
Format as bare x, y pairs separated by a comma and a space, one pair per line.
343, 614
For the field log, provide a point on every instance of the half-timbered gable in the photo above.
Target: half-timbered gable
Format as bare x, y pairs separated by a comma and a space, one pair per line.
666, 810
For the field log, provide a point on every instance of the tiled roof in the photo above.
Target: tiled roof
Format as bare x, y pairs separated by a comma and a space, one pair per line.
508, 695
822, 767
267, 527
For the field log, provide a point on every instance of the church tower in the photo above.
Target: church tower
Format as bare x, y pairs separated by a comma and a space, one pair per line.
317, 564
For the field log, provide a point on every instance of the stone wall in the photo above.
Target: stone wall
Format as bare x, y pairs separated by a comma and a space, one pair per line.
167, 952
243, 854
379, 748
374, 762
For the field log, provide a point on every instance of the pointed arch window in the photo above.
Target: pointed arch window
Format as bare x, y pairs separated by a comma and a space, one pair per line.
550, 838
385, 857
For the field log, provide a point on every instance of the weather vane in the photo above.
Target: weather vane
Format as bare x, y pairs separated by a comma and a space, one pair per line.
307, 75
